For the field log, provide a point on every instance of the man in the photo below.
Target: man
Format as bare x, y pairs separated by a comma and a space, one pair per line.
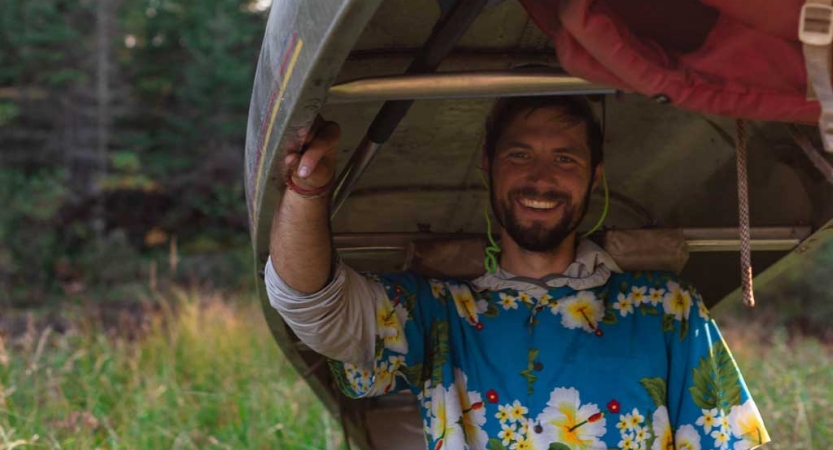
559, 349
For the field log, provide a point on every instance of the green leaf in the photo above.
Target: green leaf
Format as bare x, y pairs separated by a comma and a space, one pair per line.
668, 323
610, 317
531, 356
495, 444
650, 310
683, 329
491, 310
558, 446
656, 390
413, 374
440, 350
716, 383
649, 424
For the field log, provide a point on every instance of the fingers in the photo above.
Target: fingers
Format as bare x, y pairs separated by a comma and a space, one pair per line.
322, 146
314, 165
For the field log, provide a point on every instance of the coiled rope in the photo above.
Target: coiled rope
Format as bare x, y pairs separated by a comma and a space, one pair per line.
743, 216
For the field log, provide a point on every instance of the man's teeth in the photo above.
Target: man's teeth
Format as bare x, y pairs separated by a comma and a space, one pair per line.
537, 204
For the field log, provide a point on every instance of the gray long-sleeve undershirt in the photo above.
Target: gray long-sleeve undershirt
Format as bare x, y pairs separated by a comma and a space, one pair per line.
339, 321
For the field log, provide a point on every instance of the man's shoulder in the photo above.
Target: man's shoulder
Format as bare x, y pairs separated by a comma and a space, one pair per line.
414, 281
656, 278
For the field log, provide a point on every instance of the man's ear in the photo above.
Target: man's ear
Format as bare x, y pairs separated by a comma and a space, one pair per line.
597, 175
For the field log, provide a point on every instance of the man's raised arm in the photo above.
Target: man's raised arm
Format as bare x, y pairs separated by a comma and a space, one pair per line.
331, 309
301, 244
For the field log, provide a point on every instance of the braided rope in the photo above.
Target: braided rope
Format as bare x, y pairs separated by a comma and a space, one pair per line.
743, 216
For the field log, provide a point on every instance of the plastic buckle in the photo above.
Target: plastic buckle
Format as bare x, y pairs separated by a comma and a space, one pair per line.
826, 129
816, 24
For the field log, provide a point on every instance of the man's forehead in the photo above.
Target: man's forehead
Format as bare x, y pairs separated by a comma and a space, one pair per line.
543, 123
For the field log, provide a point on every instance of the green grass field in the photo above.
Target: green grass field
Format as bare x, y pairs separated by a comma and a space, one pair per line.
210, 376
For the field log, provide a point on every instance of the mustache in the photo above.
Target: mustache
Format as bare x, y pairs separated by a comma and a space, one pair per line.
535, 194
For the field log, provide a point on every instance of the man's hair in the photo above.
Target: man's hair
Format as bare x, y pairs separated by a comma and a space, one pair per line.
576, 110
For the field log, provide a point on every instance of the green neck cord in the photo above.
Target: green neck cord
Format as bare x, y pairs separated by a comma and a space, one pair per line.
490, 262
604, 211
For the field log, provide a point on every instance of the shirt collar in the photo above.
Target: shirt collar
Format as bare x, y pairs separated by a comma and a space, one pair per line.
591, 268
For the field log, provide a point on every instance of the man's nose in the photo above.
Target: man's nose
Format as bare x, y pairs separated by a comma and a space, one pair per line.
542, 174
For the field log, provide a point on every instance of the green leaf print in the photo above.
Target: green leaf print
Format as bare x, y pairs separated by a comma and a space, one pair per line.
440, 351
491, 310
650, 310
716, 383
656, 389
668, 323
649, 424
558, 446
413, 374
495, 444
610, 317
530, 377
683, 329
340, 378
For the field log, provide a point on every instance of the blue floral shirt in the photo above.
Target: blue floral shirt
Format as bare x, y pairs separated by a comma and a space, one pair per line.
633, 364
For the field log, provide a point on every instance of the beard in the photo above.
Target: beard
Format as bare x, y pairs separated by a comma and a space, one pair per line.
538, 237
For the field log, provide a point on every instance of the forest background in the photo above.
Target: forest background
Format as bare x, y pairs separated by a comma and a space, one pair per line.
127, 287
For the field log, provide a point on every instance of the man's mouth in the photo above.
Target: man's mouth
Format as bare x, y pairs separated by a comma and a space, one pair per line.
541, 205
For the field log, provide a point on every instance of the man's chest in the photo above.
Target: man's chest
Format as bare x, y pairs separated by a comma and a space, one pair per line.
560, 362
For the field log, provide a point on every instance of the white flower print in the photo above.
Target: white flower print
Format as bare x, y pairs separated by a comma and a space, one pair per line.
677, 301
518, 411
504, 413
746, 424
445, 418
687, 438
508, 302
624, 305
582, 311
467, 308
655, 296
390, 321
473, 413
637, 295
507, 433
721, 439
565, 420
436, 288
662, 430
708, 419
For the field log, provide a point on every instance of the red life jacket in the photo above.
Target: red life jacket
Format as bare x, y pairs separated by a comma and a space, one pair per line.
738, 58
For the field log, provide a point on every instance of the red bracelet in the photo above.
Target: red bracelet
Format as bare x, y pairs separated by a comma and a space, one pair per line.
323, 191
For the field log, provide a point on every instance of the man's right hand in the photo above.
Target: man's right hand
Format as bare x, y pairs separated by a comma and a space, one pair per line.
313, 167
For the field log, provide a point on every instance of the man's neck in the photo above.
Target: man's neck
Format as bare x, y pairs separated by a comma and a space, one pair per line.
524, 263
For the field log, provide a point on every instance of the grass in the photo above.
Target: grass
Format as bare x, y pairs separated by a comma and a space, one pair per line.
210, 376
791, 380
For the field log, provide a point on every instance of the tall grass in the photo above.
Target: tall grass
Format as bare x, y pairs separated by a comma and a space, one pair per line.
791, 380
207, 376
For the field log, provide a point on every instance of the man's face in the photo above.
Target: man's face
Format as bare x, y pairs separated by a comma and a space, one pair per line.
541, 178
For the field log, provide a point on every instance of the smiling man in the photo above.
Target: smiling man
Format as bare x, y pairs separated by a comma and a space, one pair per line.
558, 349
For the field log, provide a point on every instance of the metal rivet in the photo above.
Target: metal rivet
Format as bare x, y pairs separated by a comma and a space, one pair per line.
662, 99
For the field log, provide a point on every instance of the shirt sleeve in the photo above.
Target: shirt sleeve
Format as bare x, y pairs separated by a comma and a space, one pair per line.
709, 404
339, 321
403, 325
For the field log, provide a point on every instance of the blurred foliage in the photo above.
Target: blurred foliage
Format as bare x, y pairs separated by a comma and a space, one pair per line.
174, 159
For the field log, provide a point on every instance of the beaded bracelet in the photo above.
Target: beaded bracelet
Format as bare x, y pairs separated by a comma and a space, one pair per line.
323, 191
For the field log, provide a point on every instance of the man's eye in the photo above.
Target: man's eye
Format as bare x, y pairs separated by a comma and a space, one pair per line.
564, 159
518, 155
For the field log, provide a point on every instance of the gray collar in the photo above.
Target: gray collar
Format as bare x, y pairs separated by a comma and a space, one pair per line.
592, 268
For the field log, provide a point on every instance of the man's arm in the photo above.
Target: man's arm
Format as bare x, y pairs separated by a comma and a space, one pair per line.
301, 243
331, 309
